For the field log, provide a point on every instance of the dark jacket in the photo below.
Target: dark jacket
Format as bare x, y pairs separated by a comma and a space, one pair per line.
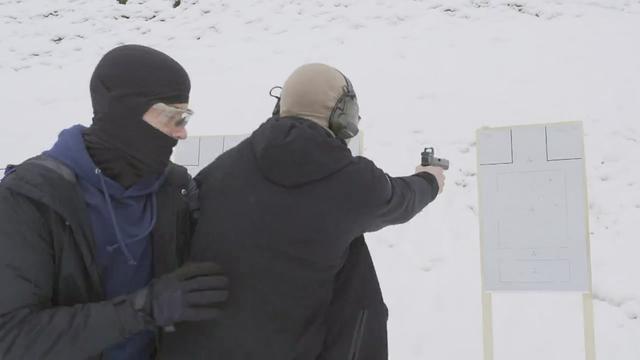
280, 212
52, 305
357, 316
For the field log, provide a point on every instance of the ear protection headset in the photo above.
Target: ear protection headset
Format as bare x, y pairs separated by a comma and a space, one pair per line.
345, 115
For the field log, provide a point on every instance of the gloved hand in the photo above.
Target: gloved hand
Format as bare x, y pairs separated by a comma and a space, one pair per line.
194, 292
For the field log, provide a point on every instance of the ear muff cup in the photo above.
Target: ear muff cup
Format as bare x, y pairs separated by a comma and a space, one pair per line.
345, 115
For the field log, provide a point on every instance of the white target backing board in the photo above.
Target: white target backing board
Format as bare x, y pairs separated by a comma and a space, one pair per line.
196, 152
533, 208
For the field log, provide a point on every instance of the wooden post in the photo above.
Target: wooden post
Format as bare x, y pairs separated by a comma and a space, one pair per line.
487, 325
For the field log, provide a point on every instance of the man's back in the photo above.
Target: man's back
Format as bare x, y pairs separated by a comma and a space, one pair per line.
279, 212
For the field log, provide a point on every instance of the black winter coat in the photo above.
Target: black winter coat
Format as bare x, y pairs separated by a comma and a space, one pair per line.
51, 302
280, 213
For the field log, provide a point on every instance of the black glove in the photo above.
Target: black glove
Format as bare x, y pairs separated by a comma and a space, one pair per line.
194, 292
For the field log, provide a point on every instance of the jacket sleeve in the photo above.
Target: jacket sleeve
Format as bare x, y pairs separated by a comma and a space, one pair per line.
392, 200
31, 327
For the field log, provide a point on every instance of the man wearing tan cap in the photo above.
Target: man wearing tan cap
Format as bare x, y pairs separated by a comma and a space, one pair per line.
284, 213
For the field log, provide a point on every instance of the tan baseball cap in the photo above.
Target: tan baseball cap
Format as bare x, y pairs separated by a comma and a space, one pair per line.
311, 92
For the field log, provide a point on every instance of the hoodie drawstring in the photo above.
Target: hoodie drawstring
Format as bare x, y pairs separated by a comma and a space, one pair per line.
121, 243
144, 233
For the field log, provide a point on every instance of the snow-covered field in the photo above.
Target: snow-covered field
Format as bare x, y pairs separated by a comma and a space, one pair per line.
427, 72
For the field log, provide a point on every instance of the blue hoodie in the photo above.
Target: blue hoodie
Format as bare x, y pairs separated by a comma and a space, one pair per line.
122, 220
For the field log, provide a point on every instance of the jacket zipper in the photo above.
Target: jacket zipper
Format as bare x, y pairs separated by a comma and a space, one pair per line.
358, 333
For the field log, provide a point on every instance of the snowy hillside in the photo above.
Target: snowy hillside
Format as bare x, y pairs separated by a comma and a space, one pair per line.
426, 72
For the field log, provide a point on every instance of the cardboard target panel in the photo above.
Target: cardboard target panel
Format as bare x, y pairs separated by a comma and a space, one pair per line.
196, 152
533, 208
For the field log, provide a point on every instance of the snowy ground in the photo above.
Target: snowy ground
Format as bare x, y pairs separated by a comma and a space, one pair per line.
427, 73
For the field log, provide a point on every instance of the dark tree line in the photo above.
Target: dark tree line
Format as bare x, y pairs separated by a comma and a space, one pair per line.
176, 3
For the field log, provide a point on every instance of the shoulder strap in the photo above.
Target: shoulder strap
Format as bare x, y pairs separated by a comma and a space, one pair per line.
54, 165
44, 161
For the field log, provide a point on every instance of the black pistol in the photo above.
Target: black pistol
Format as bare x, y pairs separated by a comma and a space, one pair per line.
429, 159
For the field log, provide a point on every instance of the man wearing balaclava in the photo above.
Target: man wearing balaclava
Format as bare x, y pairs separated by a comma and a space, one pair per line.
284, 213
95, 231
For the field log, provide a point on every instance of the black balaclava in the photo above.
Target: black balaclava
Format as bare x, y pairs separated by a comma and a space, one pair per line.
127, 81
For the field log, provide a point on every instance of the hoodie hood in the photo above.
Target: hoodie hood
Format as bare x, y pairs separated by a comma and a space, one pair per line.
293, 151
71, 150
